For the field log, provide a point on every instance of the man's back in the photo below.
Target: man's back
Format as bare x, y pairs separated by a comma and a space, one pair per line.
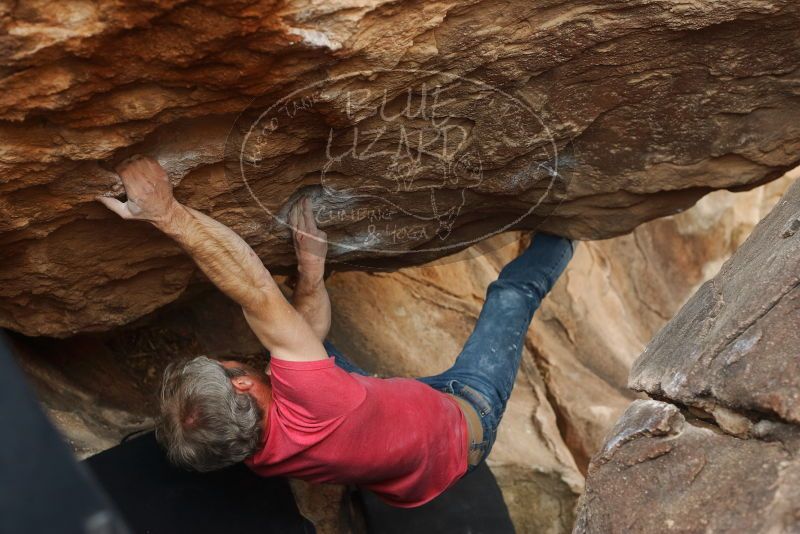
398, 437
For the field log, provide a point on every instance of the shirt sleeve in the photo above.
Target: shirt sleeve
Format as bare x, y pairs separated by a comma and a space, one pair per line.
315, 391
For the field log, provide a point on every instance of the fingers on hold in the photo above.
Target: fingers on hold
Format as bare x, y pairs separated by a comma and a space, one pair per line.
308, 214
300, 214
160, 172
141, 161
127, 162
120, 208
293, 217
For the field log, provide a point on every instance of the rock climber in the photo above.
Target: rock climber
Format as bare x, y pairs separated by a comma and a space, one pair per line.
312, 414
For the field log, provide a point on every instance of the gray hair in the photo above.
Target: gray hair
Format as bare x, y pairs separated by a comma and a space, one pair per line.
205, 423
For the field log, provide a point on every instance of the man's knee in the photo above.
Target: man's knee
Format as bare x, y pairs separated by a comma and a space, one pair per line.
540, 266
553, 253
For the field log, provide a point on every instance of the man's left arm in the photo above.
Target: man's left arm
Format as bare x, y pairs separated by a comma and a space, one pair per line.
310, 296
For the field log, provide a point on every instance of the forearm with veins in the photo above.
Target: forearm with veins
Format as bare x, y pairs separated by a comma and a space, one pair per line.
311, 299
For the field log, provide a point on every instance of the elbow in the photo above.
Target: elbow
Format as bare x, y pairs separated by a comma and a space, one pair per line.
265, 303
321, 329
256, 306
263, 291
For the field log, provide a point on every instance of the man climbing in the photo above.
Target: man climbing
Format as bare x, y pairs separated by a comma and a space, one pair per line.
313, 415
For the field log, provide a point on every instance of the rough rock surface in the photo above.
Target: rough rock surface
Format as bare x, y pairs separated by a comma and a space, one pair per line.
660, 472
731, 356
736, 343
618, 112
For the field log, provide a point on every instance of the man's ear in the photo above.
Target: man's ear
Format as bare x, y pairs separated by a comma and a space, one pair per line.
269, 370
242, 383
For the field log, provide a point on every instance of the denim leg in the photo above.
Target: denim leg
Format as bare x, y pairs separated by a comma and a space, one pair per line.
341, 361
491, 356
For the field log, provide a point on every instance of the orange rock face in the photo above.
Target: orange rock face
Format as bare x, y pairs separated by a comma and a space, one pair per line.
417, 128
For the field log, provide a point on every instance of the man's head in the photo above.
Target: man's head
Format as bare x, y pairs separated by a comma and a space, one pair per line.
212, 413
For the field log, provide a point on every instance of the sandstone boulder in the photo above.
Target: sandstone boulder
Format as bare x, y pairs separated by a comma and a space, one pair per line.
736, 342
729, 462
660, 472
416, 127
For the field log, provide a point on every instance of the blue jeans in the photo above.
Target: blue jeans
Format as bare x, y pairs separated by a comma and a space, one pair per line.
485, 371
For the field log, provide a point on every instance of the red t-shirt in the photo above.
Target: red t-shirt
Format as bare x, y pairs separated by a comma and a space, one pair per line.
398, 437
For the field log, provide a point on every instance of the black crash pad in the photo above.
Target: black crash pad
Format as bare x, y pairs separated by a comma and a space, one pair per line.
473, 505
42, 488
154, 497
